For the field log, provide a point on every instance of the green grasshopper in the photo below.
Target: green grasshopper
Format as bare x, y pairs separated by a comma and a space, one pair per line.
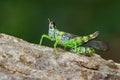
73, 42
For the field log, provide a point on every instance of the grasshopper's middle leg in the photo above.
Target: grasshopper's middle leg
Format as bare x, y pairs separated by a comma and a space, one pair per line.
75, 46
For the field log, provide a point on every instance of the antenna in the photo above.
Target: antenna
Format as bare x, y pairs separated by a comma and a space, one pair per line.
49, 20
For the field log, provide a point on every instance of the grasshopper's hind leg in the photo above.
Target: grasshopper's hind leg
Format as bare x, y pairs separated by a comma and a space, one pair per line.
84, 39
90, 37
94, 35
83, 50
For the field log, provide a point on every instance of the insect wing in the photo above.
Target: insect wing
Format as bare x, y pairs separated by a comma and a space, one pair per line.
100, 45
68, 36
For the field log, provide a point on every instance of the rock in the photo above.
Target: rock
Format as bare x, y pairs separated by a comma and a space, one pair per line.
20, 60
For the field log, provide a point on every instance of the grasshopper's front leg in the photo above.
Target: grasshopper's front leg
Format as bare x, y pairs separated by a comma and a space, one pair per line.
45, 36
55, 45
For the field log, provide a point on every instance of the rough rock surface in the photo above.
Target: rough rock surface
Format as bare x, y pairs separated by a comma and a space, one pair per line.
20, 60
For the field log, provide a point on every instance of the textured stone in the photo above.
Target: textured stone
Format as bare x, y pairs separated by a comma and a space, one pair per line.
20, 60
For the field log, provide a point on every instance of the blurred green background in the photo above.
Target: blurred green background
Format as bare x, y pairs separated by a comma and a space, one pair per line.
27, 19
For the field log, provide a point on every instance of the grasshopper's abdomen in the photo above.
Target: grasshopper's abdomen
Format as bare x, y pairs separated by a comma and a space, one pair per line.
83, 50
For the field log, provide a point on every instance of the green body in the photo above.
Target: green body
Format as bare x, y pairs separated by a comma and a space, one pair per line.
67, 40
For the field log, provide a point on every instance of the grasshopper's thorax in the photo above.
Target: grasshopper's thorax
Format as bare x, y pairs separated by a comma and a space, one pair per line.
51, 31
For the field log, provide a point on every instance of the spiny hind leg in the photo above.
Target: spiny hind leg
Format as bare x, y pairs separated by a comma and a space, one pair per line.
90, 37
83, 50
94, 35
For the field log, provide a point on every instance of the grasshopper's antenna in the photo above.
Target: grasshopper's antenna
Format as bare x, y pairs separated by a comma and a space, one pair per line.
49, 20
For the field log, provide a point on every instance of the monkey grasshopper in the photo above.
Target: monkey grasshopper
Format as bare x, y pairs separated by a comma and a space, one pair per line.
73, 42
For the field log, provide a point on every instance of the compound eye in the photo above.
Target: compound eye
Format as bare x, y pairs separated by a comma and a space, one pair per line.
52, 25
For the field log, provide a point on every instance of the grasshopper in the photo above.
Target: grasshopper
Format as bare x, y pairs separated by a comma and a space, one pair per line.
73, 42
